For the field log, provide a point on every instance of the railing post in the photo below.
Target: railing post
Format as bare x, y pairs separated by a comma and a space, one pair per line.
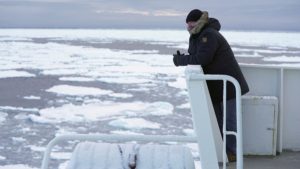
200, 99
203, 119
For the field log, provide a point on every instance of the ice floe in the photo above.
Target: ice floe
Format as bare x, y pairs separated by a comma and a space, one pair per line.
179, 83
184, 106
17, 166
77, 79
61, 155
32, 97
14, 73
189, 132
255, 54
121, 95
2, 158
18, 139
19, 109
78, 90
125, 132
134, 123
283, 58
3, 117
100, 111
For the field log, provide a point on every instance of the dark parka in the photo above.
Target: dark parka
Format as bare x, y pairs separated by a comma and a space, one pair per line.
210, 49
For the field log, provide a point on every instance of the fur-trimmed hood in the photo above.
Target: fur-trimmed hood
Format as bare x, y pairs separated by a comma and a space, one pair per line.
213, 23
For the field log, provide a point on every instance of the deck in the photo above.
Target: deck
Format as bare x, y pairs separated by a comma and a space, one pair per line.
286, 160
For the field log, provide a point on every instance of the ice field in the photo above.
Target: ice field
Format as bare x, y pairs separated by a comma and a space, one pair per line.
61, 81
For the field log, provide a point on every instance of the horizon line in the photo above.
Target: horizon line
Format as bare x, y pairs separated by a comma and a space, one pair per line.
154, 28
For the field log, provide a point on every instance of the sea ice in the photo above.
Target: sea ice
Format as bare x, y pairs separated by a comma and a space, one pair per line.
134, 123
283, 59
17, 166
78, 90
32, 97
14, 73
100, 110
3, 117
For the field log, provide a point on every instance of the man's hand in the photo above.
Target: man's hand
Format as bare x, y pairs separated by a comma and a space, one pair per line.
176, 57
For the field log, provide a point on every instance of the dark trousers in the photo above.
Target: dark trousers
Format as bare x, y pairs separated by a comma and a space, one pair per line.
230, 122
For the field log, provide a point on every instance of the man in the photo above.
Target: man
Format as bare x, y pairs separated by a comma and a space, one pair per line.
208, 48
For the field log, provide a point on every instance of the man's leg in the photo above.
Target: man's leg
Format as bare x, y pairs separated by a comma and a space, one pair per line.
219, 115
231, 126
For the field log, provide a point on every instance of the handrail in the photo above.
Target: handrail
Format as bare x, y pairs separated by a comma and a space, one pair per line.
238, 133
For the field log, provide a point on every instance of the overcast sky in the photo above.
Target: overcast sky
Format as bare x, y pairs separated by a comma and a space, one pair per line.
277, 15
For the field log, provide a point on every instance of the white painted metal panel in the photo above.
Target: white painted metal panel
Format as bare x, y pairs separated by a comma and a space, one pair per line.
262, 81
282, 82
291, 116
259, 125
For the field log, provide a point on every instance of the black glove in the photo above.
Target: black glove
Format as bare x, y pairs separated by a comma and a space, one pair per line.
176, 57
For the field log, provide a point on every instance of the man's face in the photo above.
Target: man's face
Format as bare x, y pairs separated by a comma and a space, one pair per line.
190, 25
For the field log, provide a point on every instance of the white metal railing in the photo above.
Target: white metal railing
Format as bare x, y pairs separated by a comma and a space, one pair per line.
197, 75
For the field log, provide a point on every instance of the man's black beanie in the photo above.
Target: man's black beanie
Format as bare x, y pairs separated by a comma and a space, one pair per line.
194, 15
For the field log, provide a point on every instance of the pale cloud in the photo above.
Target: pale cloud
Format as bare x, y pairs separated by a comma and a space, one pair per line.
125, 11
146, 14
168, 13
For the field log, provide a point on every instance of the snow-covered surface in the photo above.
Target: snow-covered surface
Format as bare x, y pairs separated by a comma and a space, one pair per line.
283, 59
125, 132
18, 139
2, 117
179, 83
184, 106
19, 108
189, 132
100, 111
121, 95
98, 35
134, 123
79, 79
61, 155
14, 73
17, 166
254, 54
91, 89
32, 97
77, 90
281, 39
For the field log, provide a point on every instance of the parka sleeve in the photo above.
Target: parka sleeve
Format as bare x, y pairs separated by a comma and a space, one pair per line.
207, 45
